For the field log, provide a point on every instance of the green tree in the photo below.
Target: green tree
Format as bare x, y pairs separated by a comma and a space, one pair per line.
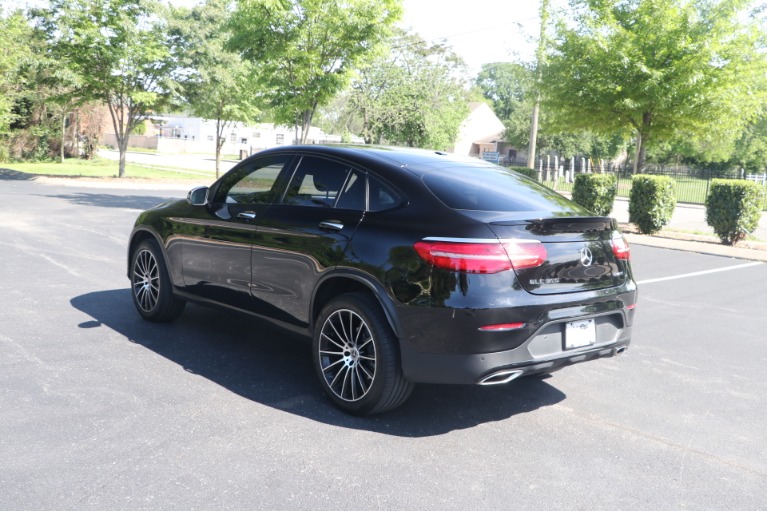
218, 85
657, 69
507, 85
510, 86
15, 36
305, 51
751, 148
414, 95
119, 51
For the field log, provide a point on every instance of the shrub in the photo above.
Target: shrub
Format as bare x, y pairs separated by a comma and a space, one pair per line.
733, 209
531, 173
595, 192
651, 202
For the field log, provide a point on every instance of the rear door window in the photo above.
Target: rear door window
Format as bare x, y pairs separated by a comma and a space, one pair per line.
316, 182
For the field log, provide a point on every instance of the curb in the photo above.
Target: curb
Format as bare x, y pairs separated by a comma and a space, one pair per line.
700, 247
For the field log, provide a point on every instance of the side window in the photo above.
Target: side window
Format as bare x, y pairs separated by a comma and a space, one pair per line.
354, 194
255, 183
316, 182
382, 196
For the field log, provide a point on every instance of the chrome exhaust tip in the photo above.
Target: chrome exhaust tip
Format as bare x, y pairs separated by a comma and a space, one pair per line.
500, 377
620, 350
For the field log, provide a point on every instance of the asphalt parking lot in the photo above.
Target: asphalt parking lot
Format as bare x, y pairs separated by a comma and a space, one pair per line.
100, 410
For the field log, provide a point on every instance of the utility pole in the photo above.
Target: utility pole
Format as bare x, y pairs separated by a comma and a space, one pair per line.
539, 56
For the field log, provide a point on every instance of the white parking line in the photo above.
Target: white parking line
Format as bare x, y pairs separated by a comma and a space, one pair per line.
697, 273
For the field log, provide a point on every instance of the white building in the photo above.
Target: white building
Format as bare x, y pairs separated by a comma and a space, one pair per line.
482, 131
184, 134
237, 135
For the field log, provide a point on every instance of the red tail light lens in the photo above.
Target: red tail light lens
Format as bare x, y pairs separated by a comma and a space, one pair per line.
620, 247
465, 257
524, 254
472, 257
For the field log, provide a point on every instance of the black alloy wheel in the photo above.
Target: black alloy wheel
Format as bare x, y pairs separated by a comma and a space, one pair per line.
150, 285
356, 356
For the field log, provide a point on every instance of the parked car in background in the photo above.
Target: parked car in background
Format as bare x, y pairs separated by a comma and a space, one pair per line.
403, 266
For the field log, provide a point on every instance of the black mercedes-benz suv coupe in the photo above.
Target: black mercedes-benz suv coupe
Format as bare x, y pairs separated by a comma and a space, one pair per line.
403, 266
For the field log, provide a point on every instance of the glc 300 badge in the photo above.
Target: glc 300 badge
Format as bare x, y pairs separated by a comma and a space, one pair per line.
586, 256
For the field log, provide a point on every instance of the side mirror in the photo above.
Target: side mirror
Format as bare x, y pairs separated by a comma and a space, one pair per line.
198, 196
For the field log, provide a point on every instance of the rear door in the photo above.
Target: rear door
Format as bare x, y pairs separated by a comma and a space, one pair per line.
304, 234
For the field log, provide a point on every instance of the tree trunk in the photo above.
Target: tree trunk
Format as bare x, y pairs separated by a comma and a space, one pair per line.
643, 136
122, 145
642, 155
533, 135
219, 144
306, 123
63, 134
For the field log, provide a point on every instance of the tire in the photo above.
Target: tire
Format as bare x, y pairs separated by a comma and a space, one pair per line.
150, 284
356, 356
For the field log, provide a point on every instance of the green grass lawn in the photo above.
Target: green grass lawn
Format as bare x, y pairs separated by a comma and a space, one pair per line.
104, 168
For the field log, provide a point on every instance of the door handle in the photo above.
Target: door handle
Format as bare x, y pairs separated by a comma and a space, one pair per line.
247, 215
331, 225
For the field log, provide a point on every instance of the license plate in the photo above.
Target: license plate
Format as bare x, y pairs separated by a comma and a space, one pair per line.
580, 333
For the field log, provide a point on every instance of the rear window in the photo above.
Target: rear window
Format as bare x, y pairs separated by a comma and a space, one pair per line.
495, 189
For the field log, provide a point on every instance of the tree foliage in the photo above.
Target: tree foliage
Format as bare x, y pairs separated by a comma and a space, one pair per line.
305, 51
217, 84
508, 86
118, 50
751, 148
14, 39
657, 68
733, 209
414, 95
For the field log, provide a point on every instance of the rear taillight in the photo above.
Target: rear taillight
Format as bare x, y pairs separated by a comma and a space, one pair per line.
620, 247
489, 257
526, 254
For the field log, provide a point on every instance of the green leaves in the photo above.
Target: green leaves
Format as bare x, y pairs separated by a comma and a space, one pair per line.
217, 84
659, 68
118, 50
651, 202
14, 39
595, 192
413, 96
733, 209
304, 51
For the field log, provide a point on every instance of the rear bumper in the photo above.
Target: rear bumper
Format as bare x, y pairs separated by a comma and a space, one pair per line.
542, 353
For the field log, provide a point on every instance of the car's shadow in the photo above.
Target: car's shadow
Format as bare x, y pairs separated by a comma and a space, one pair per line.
106, 200
269, 367
15, 175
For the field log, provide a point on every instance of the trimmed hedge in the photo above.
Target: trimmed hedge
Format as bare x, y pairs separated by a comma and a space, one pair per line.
733, 209
531, 173
595, 192
651, 202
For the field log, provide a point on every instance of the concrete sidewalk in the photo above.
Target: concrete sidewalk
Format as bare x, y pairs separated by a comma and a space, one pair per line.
689, 231
689, 218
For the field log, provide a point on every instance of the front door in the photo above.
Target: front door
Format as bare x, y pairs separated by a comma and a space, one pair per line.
216, 251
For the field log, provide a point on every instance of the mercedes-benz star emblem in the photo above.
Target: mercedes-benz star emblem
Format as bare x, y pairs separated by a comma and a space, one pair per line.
586, 256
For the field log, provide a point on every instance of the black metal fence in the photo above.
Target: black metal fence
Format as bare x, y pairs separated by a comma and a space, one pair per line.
692, 184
